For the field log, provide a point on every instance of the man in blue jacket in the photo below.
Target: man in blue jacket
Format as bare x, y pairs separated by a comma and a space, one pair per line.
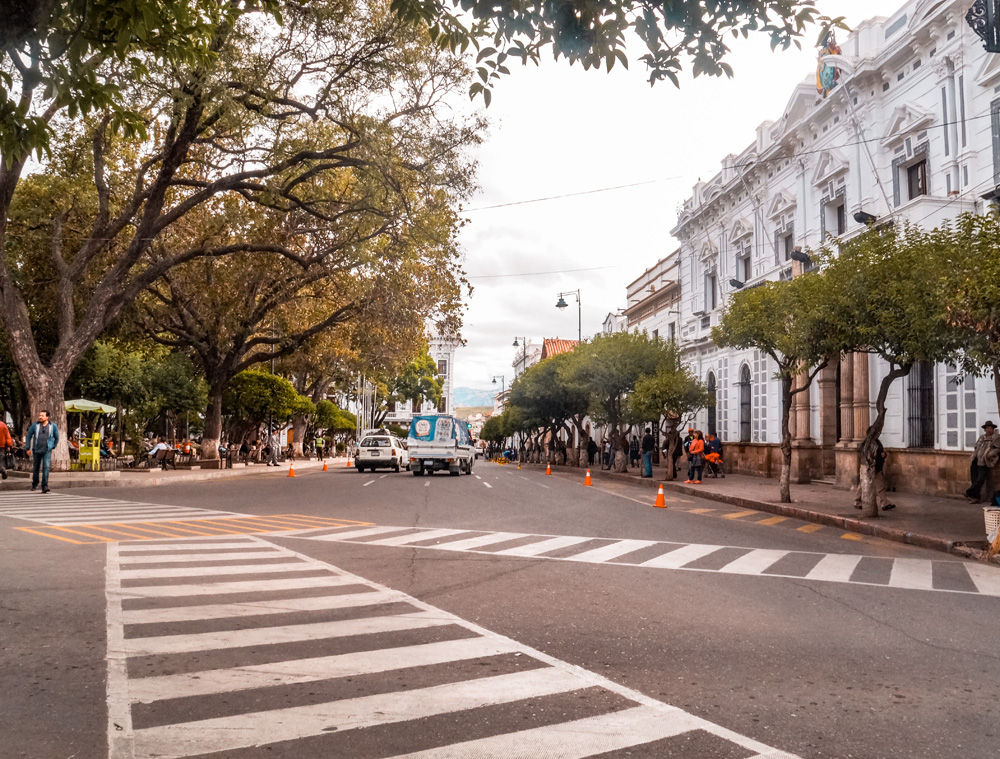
42, 437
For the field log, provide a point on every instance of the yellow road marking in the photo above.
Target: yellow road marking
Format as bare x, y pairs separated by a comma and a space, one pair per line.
739, 514
810, 528
772, 520
700, 511
851, 536
192, 527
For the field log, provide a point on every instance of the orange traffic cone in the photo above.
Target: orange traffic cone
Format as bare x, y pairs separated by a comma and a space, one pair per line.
348, 461
548, 469
586, 480
661, 502
325, 467
518, 466
291, 469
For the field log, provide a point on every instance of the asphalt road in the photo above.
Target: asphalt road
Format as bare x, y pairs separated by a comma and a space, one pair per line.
506, 614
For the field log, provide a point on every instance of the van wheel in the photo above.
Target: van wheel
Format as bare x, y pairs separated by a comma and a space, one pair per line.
396, 469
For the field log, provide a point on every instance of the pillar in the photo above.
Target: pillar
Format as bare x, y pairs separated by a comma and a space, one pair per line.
846, 409
862, 404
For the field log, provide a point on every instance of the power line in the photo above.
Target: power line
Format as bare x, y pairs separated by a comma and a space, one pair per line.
570, 194
541, 273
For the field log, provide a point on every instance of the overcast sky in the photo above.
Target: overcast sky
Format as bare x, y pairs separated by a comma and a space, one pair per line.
558, 129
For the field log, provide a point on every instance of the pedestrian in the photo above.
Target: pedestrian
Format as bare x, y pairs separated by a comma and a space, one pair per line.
633, 451
42, 437
591, 451
984, 458
274, 448
648, 444
607, 455
7, 443
878, 482
713, 456
696, 458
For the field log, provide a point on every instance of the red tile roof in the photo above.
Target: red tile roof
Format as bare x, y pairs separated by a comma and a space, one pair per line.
555, 346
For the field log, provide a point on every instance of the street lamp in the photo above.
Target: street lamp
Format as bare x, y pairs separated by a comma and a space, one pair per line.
503, 383
561, 304
737, 284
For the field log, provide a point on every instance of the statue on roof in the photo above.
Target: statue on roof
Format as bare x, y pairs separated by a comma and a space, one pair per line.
827, 75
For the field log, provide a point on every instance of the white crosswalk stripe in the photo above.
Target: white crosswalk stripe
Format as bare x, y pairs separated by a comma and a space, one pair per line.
949, 576
63, 509
186, 679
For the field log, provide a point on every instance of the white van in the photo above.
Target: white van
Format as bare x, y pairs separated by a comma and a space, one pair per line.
440, 442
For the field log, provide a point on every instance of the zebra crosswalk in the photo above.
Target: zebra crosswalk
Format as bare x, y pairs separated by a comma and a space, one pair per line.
235, 646
945, 575
61, 508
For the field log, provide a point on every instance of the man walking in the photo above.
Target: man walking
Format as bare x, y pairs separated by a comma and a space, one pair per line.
42, 437
6, 442
648, 444
274, 443
984, 458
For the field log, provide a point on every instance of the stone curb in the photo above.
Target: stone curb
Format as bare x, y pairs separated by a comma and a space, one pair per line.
18, 483
849, 524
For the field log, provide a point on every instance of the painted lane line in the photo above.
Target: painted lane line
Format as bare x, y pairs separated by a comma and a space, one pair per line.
480, 541
986, 579
248, 730
415, 538
216, 571
256, 608
613, 551
544, 546
350, 534
912, 573
150, 689
683, 555
253, 549
119, 709
368, 483
244, 586
265, 636
427, 484
180, 557
488, 485
382, 477
571, 740
477, 476
753, 563
541, 485
834, 568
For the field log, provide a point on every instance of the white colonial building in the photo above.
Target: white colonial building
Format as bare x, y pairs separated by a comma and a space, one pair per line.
909, 131
442, 350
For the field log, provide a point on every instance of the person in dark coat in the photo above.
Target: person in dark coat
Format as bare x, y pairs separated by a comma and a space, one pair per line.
648, 445
591, 451
713, 456
633, 451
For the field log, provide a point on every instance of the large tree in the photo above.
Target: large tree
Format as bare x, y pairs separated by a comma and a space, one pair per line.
882, 289
608, 368
672, 393
789, 322
334, 119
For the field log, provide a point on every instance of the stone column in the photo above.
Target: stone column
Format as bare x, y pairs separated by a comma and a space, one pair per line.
802, 411
804, 450
828, 411
846, 409
862, 405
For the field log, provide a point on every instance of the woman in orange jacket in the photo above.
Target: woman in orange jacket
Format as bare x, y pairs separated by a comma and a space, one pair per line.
696, 453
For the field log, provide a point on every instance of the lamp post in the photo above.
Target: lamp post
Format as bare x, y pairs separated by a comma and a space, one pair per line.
561, 304
524, 352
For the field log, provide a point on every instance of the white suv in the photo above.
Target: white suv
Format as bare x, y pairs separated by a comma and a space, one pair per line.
381, 451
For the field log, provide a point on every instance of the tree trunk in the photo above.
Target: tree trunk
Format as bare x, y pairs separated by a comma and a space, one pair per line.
785, 478
866, 475
47, 393
213, 423
299, 423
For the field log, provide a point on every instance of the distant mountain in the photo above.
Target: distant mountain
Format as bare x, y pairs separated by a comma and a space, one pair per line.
464, 397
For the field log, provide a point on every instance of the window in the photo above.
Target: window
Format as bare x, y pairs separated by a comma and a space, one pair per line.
744, 264
443, 367
835, 217
710, 292
443, 405
746, 404
920, 402
710, 386
672, 332
916, 179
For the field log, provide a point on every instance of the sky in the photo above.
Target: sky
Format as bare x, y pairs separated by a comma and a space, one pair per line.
559, 130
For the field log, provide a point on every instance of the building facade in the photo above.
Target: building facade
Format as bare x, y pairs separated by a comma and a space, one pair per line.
654, 299
442, 349
910, 131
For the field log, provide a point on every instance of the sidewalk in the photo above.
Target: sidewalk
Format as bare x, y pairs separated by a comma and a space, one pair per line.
942, 524
134, 478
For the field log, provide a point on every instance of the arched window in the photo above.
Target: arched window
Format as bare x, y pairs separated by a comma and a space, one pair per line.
746, 404
710, 386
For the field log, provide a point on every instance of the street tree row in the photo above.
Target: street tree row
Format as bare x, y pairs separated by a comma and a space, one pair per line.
616, 381
897, 292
